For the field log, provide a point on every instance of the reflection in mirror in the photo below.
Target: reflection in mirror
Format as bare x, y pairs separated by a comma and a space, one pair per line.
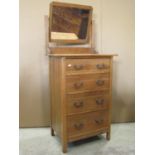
69, 23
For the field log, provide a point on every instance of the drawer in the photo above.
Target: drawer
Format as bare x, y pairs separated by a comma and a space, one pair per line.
87, 65
81, 124
87, 103
78, 83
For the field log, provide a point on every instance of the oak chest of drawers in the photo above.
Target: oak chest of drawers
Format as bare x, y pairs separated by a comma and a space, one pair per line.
81, 95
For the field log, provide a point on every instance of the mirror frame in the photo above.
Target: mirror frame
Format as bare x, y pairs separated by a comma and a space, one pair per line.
69, 5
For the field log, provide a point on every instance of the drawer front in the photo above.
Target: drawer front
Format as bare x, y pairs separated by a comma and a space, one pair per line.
87, 103
94, 82
90, 65
80, 124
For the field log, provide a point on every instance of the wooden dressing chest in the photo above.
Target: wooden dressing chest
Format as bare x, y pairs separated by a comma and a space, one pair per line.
81, 92
81, 96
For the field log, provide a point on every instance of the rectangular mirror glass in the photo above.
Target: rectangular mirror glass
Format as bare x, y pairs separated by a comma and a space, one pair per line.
69, 23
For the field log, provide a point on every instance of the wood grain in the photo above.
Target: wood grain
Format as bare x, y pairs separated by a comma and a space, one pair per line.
89, 103
56, 120
86, 82
87, 65
63, 109
83, 56
81, 124
81, 97
108, 135
71, 50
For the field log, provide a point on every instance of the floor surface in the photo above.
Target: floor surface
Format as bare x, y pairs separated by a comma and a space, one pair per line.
38, 141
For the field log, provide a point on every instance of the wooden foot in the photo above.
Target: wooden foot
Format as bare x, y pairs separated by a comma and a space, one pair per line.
108, 135
52, 132
64, 149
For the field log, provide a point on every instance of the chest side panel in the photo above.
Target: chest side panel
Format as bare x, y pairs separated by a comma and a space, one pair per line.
55, 94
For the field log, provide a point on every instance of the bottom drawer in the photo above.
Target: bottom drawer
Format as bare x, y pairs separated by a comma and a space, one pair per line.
81, 124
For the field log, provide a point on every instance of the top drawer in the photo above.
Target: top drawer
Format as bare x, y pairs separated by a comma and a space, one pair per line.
87, 65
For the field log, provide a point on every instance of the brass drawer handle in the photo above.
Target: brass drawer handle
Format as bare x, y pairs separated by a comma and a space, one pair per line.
99, 121
78, 84
100, 66
99, 101
78, 104
78, 67
100, 82
79, 126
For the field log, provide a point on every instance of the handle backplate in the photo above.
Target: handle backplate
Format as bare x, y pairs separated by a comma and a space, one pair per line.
78, 84
100, 82
78, 104
78, 66
79, 126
